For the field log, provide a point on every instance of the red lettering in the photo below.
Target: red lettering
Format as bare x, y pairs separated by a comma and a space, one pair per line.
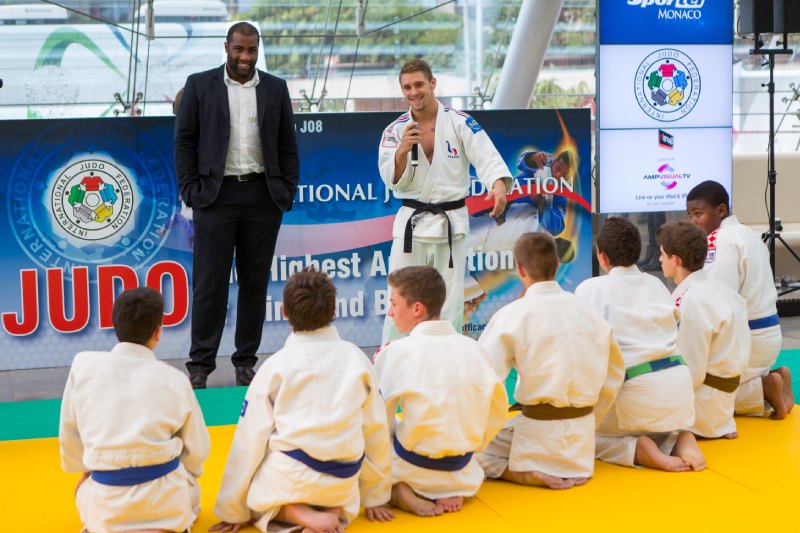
27, 321
106, 275
80, 299
180, 289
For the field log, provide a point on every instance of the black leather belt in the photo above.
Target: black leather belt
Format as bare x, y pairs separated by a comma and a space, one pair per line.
436, 209
253, 176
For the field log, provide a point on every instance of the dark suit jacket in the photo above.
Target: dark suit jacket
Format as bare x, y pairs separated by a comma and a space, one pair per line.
202, 131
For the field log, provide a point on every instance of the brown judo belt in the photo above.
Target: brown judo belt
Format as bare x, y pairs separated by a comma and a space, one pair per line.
723, 384
547, 411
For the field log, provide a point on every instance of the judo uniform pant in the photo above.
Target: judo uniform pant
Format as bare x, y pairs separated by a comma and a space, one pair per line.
713, 412
170, 503
435, 484
561, 448
765, 345
282, 480
656, 404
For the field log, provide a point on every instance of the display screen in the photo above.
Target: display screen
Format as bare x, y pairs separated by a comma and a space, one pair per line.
654, 169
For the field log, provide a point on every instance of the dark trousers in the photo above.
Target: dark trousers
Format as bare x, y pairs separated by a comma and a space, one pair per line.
242, 218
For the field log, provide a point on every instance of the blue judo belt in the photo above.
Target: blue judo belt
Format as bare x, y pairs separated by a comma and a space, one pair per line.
766, 322
334, 468
451, 463
134, 475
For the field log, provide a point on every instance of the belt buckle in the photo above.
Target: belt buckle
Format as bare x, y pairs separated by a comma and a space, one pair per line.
242, 178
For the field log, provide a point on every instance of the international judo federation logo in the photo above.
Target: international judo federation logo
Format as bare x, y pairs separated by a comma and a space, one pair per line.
92, 199
92, 192
667, 85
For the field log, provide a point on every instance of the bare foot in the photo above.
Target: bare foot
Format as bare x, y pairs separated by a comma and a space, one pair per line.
773, 393
317, 520
578, 481
788, 394
648, 454
406, 499
534, 478
731, 435
686, 448
450, 505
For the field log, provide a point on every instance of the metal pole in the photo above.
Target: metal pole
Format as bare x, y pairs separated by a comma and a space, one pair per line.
529, 42
771, 174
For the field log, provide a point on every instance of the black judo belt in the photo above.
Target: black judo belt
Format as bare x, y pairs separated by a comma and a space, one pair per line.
436, 209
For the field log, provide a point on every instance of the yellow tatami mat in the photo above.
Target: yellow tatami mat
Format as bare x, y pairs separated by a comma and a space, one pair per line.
750, 483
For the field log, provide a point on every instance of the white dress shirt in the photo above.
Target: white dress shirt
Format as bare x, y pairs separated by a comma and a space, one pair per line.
244, 146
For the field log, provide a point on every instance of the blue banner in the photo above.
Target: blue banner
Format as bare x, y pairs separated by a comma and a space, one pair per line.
665, 22
91, 207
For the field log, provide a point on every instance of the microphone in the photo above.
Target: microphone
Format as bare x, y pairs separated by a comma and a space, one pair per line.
414, 151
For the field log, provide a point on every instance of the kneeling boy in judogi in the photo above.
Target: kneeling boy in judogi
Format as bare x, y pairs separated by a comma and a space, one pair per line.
649, 421
713, 336
570, 369
452, 403
312, 436
132, 425
738, 258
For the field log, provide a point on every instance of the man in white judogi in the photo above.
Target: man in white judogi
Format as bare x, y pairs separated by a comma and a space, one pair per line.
430, 227
738, 258
132, 426
570, 369
312, 441
713, 336
452, 402
648, 423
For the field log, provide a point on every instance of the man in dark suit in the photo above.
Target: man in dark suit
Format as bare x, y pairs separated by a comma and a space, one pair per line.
237, 167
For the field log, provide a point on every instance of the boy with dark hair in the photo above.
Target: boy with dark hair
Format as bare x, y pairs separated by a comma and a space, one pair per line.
738, 258
713, 337
648, 424
132, 426
569, 369
312, 433
452, 403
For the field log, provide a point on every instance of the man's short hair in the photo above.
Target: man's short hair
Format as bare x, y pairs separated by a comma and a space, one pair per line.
421, 284
620, 240
710, 192
687, 241
537, 254
245, 28
136, 314
309, 300
417, 65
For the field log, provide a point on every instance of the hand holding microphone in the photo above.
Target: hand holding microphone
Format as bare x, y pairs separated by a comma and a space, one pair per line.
413, 130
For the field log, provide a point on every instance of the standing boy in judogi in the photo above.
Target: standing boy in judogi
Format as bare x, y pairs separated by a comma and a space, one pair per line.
738, 258
649, 421
312, 440
452, 402
132, 426
713, 336
569, 369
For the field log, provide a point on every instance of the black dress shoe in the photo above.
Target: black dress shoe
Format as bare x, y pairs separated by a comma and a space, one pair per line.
198, 380
244, 375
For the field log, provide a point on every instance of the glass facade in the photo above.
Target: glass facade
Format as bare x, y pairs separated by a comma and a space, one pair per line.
88, 58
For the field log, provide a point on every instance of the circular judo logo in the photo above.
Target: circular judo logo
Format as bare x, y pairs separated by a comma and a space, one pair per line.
667, 85
91, 199
87, 192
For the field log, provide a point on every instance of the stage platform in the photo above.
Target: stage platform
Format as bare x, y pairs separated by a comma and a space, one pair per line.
749, 483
